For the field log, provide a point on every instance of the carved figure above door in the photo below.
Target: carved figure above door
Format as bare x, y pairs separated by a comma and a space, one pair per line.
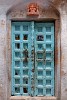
33, 9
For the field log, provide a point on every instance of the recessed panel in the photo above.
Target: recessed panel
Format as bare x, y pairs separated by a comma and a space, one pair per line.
25, 37
48, 55
17, 45
25, 81
40, 55
48, 91
25, 28
25, 45
25, 72
17, 72
17, 81
40, 82
17, 89
48, 37
39, 29
48, 73
40, 91
17, 63
48, 82
40, 46
17, 27
40, 37
25, 63
17, 54
48, 64
48, 46
25, 89
48, 29
17, 37
40, 64
40, 73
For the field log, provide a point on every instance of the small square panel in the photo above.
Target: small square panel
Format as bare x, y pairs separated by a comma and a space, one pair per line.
48, 29
25, 37
39, 29
48, 82
40, 46
48, 37
40, 91
25, 90
25, 45
17, 45
48, 73
40, 82
40, 38
40, 73
48, 91
17, 37
17, 63
17, 72
48, 55
25, 72
40, 55
25, 28
25, 81
48, 46
17, 54
48, 64
40, 64
25, 63
17, 27
17, 81
17, 89
25, 53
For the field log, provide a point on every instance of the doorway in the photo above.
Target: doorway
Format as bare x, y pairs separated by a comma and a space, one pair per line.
33, 58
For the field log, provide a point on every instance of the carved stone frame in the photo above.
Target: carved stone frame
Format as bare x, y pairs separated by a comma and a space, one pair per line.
57, 58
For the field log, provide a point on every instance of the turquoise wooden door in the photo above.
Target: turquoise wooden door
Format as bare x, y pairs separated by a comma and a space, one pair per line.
32, 58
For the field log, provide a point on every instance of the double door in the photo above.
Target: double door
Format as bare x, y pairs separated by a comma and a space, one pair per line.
33, 58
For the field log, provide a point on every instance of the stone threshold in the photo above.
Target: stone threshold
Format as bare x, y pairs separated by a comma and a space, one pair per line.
32, 98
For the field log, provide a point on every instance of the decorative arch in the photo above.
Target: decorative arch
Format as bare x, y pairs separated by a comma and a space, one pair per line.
46, 9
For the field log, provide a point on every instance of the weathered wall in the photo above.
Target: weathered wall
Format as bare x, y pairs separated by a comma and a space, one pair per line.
3, 67
63, 66
5, 48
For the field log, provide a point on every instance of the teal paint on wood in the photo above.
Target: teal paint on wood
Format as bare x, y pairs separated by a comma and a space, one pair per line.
32, 58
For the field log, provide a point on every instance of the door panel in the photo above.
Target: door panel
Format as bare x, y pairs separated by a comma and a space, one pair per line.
32, 58
44, 59
21, 62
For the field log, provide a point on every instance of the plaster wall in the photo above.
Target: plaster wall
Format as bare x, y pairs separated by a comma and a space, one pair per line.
5, 52
64, 55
